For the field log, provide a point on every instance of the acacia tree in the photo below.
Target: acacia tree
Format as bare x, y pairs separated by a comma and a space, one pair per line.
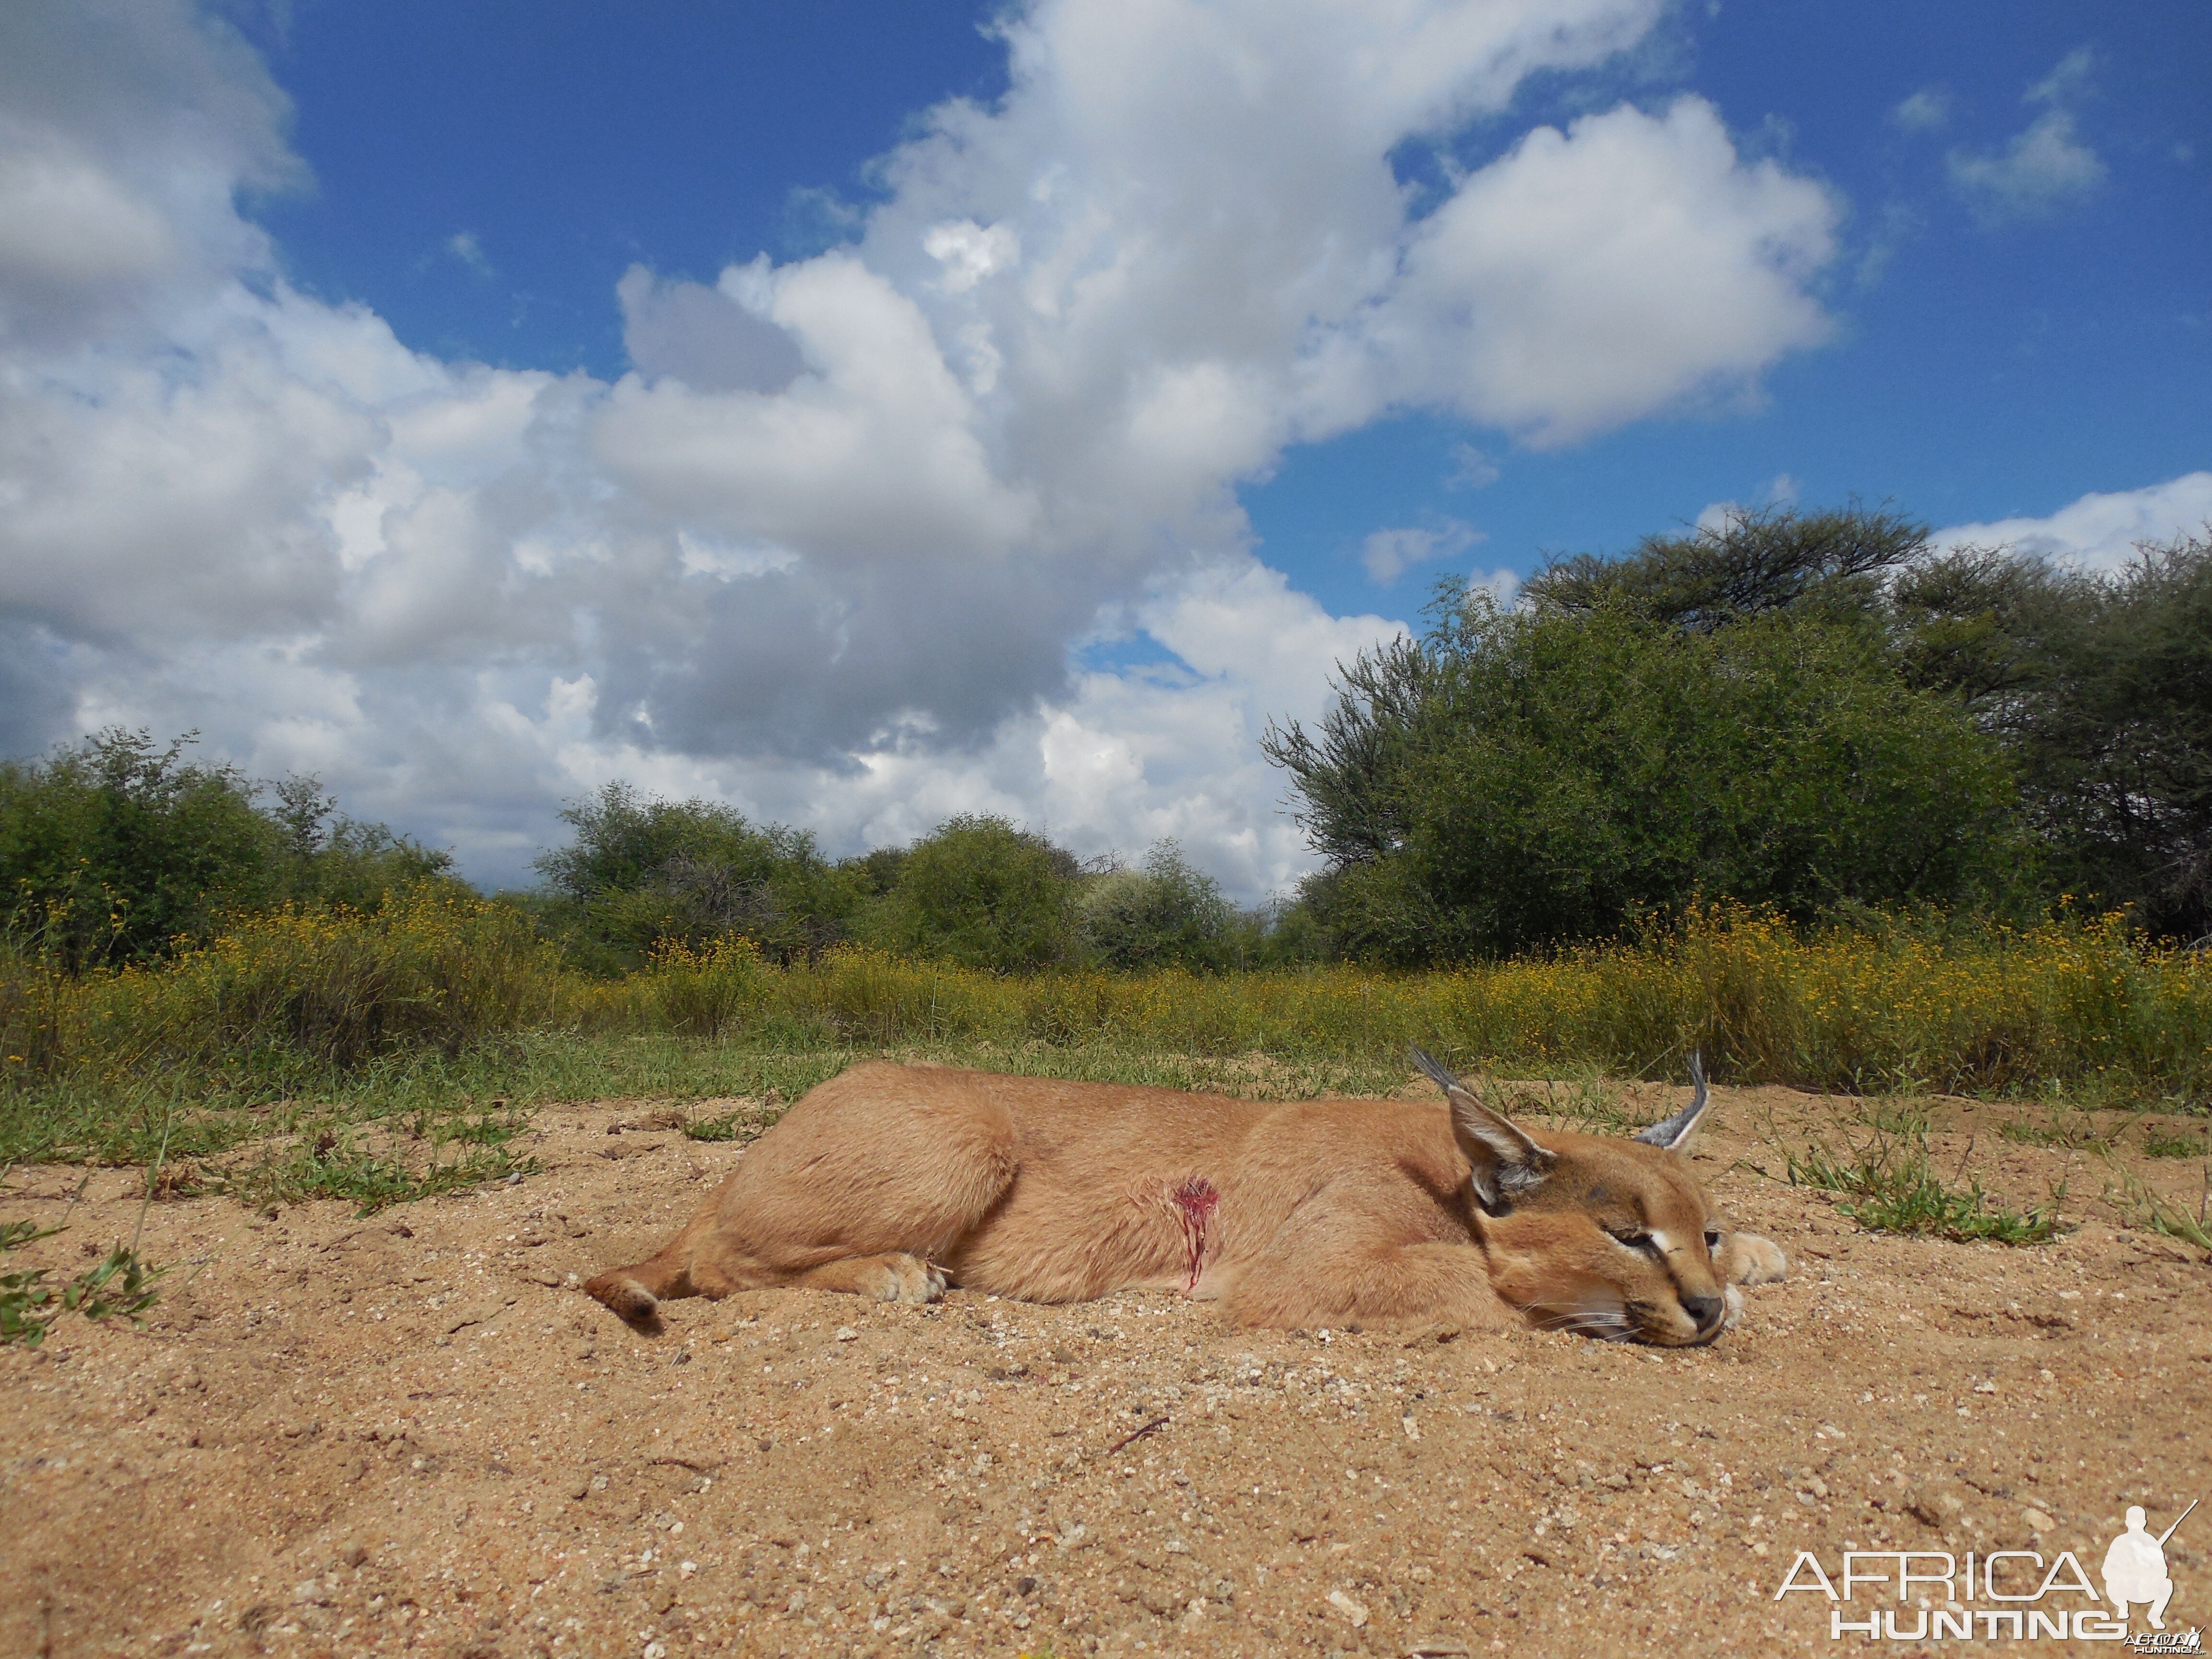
1750, 563
1726, 716
2100, 688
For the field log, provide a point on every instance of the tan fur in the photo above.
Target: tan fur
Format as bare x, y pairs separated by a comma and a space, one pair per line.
892, 1180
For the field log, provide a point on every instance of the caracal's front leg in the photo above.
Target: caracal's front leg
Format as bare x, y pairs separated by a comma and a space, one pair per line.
894, 1277
1423, 1284
1344, 1258
1748, 1259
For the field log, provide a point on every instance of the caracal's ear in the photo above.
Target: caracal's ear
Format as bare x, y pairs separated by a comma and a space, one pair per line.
1507, 1163
1672, 1135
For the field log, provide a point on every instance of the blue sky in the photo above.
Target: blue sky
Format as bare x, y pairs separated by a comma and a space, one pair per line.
863, 412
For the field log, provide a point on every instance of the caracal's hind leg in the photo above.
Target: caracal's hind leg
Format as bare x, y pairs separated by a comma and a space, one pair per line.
867, 1183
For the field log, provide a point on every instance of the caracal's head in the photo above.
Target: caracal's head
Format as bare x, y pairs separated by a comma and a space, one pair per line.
1611, 1236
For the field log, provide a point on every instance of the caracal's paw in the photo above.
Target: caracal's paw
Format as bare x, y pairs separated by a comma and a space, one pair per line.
1753, 1261
908, 1279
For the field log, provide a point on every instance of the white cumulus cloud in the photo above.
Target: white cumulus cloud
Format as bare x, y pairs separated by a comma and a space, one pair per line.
834, 551
1388, 554
1599, 274
2101, 530
2042, 169
1923, 110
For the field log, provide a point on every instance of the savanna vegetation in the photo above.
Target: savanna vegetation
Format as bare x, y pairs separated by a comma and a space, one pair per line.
1792, 791
1806, 712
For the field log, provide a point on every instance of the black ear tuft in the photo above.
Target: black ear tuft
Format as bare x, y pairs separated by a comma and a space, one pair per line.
1672, 1135
1506, 1162
1428, 1062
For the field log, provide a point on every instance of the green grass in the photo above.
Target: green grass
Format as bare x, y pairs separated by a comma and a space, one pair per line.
1586, 1101
282, 1004
496, 1128
2147, 1209
730, 1126
1894, 1187
2158, 1141
333, 1165
2067, 1132
120, 1285
484, 1095
1901, 1118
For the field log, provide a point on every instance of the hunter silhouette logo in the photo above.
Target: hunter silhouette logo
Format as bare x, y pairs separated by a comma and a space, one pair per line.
2135, 1568
2007, 1595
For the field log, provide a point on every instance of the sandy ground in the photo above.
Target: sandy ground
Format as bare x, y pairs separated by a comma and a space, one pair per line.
412, 1433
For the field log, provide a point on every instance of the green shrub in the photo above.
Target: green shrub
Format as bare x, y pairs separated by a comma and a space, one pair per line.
118, 1285
642, 872
111, 851
327, 857
700, 991
1165, 912
116, 850
980, 893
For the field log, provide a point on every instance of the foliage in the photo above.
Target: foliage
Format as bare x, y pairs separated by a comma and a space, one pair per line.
1749, 563
1775, 709
292, 1001
2158, 1141
729, 1126
656, 887
982, 894
2175, 1220
326, 858
2100, 686
695, 991
1984, 623
111, 850
643, 873
2068, 1131
1528, 778
474, 1097
323, 989
875, 873
1165, 912
1895, 1189
116, 850
334, 1165
1978, 1007
119, 1284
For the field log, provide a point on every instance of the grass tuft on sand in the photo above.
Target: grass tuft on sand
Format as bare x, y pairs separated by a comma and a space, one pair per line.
1893, 1187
